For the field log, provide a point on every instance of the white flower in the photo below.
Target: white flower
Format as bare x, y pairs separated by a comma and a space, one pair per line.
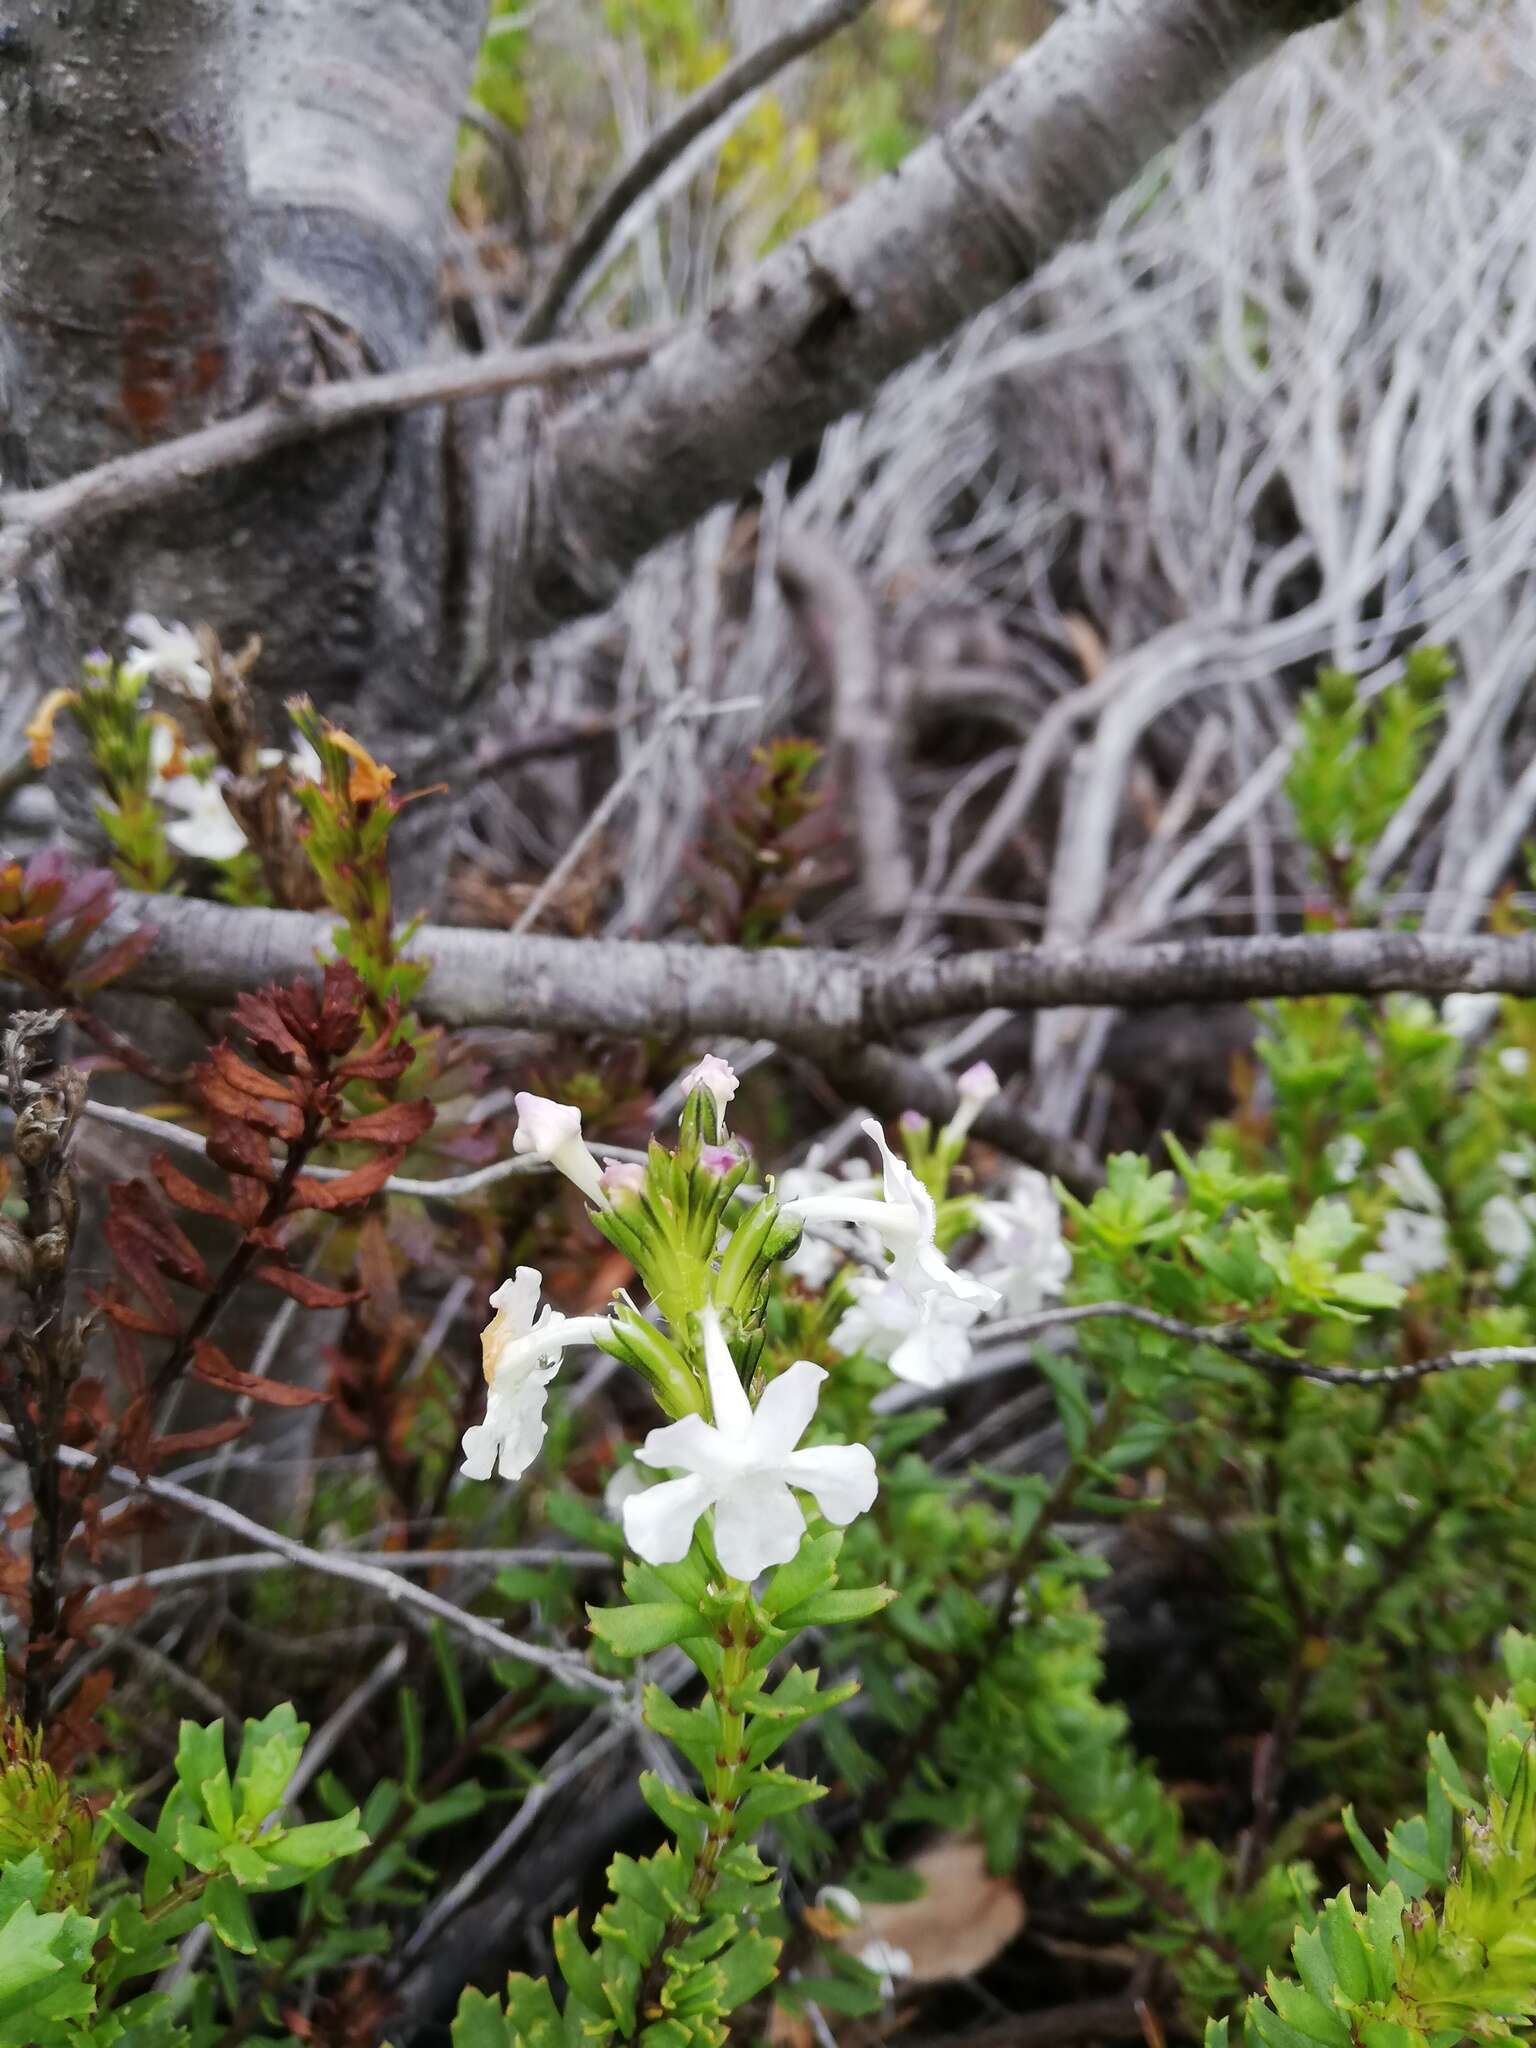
743, 1465
1505, 1223
1410, 1244
1406, 1176
1023, 1230
1353, 1555
521, 1356
623, 1484
1510, 1401
888, 1962
304, 763
905, 1224
976, 1088
836, 1898
925, 1341
1514, 1059
1516, 1164
820, 1252
718, 1077
1468, 1016
551, 1131
1344, 1158
168, 653
209, 829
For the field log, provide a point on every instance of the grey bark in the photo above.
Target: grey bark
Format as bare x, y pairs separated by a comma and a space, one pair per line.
825, 1003
309, 161
816, 329
204, 203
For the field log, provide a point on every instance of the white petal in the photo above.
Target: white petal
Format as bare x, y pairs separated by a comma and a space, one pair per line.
840, 1478
688, 1446
935, 1355
784, 1410
543, 1126
757, 1524
480, 1446
903, 1189
658, 1524
727, 1396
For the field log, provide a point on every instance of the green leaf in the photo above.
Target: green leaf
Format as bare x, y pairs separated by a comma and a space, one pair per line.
812, 1567
636, 1631
204, 1775
269, 1755
748, 1966
229, 1916
578, 1966
841, 1603
317, 1845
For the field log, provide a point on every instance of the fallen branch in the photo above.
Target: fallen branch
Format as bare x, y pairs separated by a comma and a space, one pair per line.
827, 1004
752, 69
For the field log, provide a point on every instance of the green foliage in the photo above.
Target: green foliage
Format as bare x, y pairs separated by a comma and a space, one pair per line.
1443, 1949
68, 1975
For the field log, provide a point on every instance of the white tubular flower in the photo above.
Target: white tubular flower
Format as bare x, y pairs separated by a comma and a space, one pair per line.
209, 830
1406, 1175
168, 653
1344, 1158
926, 1342
1468, 1016
521, 1356
551, 1131
716, 1075
905, 1224
743, 1465
836, 1898
976, 1088
889, 1963
1023, 1231
1411, 1244
1506, 1227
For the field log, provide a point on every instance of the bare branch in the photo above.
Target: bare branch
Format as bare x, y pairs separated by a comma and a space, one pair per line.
398, 1591
814, 331
823, 1003
31, 520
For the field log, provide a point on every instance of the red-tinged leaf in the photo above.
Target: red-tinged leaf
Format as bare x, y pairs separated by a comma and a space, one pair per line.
400, 1124
210, 1364
249, 1198
129, 1318
116, 960
76, 1732
384, 1059
108, 1607
128, 1519
283, 1119
249, 1080
205, 1439
307, 1292
139, 1215
240, 1150
341, 1009
188, 1193
259, 1018
134, 1433
353, 1187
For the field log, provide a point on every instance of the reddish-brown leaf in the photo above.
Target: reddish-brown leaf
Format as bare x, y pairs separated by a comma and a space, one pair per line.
248, 1196
353, 1187
146, 1242
130, 1318
239, 1149
76, 1732
400, 1124
108, 1607
250, 1080
384, 1059
188, 1193
341, 1009
260, 1019
284, 1119
308, 1293
115, 960
210, 1364
204, 1439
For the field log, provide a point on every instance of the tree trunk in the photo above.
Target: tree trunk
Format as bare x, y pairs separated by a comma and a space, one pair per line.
204, 202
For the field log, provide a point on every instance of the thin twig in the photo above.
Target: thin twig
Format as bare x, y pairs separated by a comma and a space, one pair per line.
752, 69
31, 520
398, 1591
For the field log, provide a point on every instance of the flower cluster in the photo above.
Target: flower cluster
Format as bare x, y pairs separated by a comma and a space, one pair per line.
740, 1461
